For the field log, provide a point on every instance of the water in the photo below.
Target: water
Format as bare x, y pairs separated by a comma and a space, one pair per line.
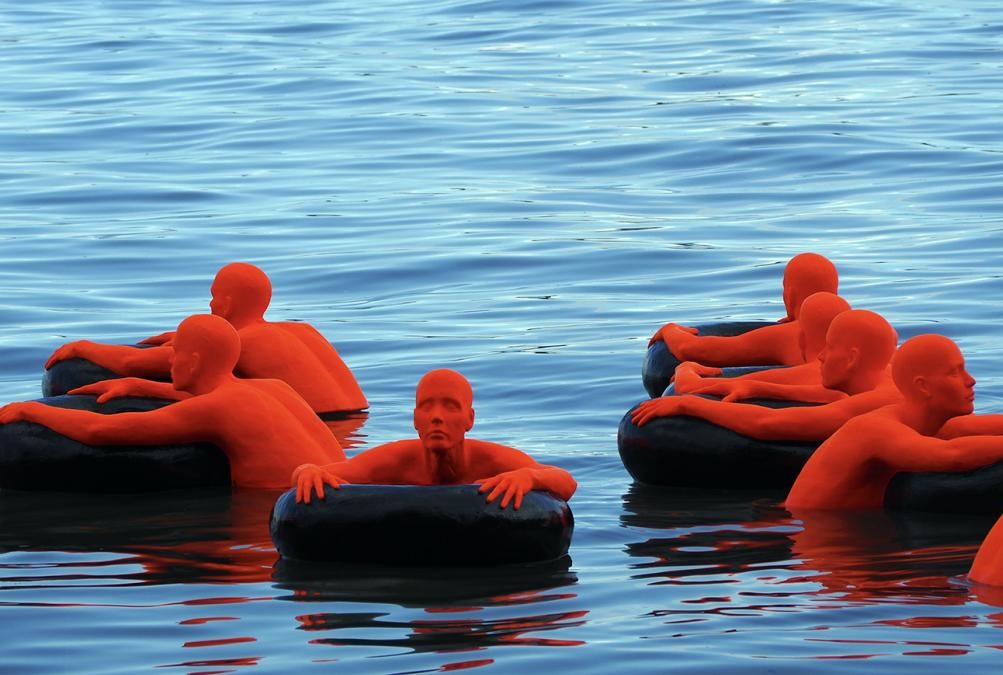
523, 190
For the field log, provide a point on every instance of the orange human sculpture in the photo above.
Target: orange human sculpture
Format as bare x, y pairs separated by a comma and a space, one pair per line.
264, 427
441, 455
805, 274
795, 383
987, 568
291, 351
859, 345
853, 468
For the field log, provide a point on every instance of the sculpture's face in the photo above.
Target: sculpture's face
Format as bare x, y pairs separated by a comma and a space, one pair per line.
442, 416
951, 388
838, 359
220, 303
184, 364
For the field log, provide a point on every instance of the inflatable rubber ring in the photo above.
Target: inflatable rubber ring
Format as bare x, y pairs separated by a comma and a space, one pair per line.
417, 524
978, 491
660, 365
33, 457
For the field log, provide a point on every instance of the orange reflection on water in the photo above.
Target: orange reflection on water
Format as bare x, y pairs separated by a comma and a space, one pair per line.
466, 634
219, 642
867, 556
463, 665
346, 429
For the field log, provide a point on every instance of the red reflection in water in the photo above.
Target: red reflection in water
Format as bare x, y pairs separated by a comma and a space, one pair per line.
455, 635
236, 547
859, 556
247, 661
506, 631
206, 619
345, 430
939, 652
936, 648
462, 665
219, 642
932, 622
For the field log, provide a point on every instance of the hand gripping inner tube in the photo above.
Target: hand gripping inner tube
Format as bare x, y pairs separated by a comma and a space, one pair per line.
417, 524
692, 452
660, 365
76, 372
33, 457
686, 451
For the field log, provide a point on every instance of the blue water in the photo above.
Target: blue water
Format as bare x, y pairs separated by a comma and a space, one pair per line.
523, 190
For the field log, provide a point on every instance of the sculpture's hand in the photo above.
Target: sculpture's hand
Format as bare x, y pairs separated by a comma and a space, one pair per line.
161, 339
105, 390
70, 350
657, 407
511, 485
689, 375
702, 370
19, 412
730, 390
310, 479
660, 333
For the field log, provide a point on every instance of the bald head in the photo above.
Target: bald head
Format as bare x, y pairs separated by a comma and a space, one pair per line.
867, 331
240, 292
204, 346
443, 413
817, 312
930, 372
858, 347
805, 274
446, 380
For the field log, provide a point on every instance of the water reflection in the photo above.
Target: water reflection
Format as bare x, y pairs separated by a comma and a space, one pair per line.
486, 606
346, 427
856, 579
704, 533
190, 536
871, 555
876, 555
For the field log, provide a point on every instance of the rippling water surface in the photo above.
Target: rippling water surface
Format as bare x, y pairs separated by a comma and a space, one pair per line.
523, 190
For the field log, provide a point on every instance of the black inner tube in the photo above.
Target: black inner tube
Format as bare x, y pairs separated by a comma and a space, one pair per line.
409, 524
33, 457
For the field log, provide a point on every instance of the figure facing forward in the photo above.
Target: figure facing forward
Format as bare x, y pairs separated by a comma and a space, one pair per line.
442, 454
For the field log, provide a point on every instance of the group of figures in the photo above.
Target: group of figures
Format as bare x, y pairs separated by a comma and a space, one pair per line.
874, 408
257, 390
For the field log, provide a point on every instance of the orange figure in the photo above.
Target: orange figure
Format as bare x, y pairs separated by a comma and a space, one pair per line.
795, 383
987, 568
290, 351
859, 344
441, 455
852, 469
263, 426
805, 274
